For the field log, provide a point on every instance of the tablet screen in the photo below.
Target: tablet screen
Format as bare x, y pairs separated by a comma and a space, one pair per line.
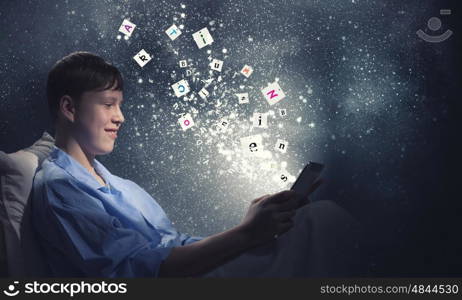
306, 178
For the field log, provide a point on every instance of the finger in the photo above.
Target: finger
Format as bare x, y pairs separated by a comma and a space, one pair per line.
282, 196
260, 198
304, 202
285, 216
293, 204
284, 227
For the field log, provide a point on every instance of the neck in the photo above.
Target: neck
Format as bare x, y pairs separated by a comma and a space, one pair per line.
71, 146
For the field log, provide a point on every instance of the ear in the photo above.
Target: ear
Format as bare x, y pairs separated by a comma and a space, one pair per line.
67, 107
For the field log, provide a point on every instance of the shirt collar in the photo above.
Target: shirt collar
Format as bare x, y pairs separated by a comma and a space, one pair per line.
79, 172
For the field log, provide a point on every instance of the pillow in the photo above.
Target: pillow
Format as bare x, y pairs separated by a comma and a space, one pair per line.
17, 171
3, 261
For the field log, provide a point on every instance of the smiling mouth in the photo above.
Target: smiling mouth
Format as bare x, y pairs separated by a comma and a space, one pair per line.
112, 132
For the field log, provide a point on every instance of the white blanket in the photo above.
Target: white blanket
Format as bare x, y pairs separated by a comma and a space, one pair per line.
324, 242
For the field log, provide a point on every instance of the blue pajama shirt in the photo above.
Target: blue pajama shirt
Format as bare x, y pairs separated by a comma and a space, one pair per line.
88, 230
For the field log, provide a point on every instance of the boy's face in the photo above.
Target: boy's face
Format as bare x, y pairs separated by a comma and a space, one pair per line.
98, 117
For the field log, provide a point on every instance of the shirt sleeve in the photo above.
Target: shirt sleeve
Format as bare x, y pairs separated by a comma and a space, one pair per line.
187, 239
95, 241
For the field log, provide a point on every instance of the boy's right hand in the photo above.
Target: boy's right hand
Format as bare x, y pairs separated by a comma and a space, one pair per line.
270, 216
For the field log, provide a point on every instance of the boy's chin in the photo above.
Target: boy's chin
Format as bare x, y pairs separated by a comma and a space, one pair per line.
104, 150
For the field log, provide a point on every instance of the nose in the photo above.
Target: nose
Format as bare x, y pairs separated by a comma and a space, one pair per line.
118, 117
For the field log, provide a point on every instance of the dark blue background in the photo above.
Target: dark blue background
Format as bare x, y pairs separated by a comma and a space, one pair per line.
385, 105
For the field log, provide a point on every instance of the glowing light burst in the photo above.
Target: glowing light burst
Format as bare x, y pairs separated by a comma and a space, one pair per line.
222, 122
264, 170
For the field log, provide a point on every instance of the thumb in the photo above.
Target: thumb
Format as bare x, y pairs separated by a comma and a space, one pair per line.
260, 198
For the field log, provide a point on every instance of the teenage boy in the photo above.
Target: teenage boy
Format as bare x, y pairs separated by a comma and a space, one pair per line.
96, 224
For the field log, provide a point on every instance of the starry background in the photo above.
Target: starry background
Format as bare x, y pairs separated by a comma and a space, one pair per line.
364, 95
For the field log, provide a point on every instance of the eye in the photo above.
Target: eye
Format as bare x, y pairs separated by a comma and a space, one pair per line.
108, 104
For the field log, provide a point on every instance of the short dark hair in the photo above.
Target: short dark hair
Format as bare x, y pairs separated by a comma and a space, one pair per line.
77, 73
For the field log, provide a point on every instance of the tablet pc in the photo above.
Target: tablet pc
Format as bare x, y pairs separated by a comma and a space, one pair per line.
306, 178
